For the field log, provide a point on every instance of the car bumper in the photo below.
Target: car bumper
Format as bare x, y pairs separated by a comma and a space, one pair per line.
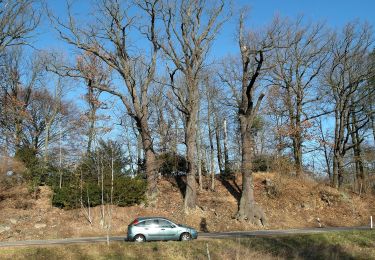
129, 236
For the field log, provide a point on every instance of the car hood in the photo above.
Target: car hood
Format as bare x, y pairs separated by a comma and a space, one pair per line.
184, 226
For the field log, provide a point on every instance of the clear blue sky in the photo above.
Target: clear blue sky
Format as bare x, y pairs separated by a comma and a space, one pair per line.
334, 12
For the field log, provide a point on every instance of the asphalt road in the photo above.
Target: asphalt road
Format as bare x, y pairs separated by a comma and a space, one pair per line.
213, 235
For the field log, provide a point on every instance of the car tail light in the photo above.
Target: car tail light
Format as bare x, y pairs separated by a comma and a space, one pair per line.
135, 222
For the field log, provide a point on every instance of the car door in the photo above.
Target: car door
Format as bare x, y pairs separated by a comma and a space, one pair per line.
168, 229
153, 230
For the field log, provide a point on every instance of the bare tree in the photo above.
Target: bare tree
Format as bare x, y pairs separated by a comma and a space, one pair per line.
109, 40
94, 73
17, 86
296, 73
18, 19
348, 71
244, 81
191, 26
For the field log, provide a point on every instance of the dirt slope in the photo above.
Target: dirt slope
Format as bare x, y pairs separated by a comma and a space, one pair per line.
288, 203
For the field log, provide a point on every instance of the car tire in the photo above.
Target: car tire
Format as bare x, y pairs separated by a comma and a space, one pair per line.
185, 237
139, 238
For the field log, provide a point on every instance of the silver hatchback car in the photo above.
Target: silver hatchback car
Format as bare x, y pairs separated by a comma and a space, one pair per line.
156, 228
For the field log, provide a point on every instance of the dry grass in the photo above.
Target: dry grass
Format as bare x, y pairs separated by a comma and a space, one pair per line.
335, 245
299, 203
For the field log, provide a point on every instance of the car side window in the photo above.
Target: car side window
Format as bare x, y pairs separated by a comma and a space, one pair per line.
165, 224
141, 224
152, 222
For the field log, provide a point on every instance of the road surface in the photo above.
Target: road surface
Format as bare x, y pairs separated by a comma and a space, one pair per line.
233, 234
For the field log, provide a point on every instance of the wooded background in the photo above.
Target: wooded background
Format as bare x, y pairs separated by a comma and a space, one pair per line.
139, 97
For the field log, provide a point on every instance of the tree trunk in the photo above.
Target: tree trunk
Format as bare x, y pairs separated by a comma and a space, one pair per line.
199, 159
297, 154
247, 208
210, 136
294, 114
218, 144
190, 137
357, 151
325, 150
226, 157
151, 169
340, 171
372, 119
338, 176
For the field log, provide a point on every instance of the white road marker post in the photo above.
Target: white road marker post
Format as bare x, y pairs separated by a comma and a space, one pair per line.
371, 222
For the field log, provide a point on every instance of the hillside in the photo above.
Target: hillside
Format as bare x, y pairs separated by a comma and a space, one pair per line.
288, 202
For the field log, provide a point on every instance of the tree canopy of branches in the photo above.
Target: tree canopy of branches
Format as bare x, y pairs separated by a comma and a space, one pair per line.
108, 38
347, 74
190, 28
296, 73
18, 19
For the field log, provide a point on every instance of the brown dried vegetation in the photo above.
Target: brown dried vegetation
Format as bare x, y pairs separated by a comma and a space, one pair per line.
299, 203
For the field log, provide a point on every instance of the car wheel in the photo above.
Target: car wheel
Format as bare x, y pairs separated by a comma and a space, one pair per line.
185, 237
139, 238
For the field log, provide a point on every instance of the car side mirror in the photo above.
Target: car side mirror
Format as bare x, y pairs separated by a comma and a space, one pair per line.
173, 226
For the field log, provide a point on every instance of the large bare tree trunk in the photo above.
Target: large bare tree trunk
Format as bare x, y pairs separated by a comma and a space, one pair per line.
190, 137
150, 158
199, 153
210, 137
252, 61
248, 209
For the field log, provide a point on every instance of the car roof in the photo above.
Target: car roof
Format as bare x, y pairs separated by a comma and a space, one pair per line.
146, 218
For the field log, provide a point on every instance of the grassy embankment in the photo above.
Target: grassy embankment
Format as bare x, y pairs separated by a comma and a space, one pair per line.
334, 245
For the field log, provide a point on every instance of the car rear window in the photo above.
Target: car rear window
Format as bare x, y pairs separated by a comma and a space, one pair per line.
141, 224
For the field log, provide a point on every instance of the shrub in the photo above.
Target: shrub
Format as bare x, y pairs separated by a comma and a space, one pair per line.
262, 163
172, 164
67, 197
36, 172
126, 192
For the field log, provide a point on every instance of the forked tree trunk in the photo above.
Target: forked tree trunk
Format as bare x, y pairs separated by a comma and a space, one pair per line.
247, 111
